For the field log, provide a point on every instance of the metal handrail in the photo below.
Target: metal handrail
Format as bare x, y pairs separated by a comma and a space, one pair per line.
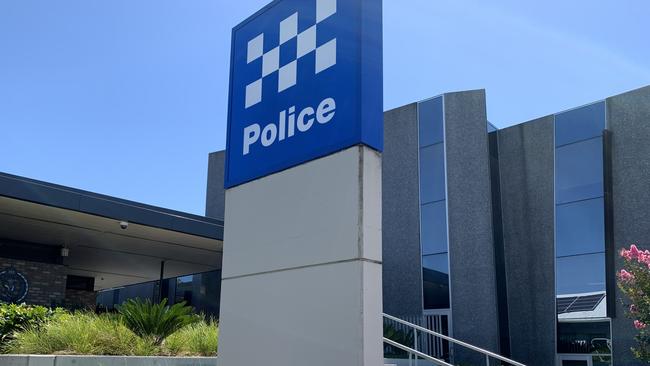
416, 352
461, 343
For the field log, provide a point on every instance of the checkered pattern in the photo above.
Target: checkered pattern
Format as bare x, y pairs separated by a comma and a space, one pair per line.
306, 43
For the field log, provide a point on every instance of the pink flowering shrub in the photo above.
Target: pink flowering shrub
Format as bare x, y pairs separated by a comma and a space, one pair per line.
634, 281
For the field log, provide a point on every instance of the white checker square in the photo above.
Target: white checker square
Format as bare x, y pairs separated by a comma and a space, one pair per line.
326, 56
306, 41
325, 9
287, 76
289, 28
253, 93
255, 48
271, 62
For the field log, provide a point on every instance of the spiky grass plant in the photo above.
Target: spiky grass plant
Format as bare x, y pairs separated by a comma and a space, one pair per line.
155, 321
81, 333
198, 339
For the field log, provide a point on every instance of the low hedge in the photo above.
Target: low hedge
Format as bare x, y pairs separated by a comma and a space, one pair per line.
15, 318
87, 333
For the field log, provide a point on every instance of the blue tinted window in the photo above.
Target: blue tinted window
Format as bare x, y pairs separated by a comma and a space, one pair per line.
579, 171
431, 121
580, 274
583, 337
579, 124
432, 173
184, 287
205, 292
142, 291
433, 229
580, 227
435, 281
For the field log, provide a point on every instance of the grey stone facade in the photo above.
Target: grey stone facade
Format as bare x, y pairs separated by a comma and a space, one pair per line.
628, 117
526, 159
215, 201
402, 270
46, 281
471, 247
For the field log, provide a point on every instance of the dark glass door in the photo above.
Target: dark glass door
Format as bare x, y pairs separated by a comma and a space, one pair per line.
575, 363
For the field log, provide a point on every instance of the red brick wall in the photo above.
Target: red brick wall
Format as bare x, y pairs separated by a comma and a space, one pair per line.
79, 299
46, 281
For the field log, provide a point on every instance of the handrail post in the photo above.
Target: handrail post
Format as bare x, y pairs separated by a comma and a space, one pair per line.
415, 344
452, 341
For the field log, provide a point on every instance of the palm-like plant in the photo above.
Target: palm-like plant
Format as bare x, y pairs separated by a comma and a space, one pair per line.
155, 321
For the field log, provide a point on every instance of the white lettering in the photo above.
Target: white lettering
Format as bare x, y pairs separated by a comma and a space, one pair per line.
269, 134
303, 125
282, 123
326, 106
251, 135
292, 121
287, 123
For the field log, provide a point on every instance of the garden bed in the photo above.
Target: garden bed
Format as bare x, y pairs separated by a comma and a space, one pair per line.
139, 329
68, 360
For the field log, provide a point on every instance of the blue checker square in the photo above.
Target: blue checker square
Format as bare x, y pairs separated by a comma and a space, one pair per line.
305, 82
288, 51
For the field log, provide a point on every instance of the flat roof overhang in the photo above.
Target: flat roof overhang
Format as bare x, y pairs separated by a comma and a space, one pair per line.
88, 224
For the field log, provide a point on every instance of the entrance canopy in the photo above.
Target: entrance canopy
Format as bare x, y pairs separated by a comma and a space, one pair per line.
118, 242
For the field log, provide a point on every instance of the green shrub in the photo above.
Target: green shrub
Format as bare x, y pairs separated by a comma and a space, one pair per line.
14, 318
81, 333
198, 339
155, 321
634, 282
38, 330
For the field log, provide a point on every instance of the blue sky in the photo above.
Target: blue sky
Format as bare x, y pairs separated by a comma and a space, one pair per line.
127, 98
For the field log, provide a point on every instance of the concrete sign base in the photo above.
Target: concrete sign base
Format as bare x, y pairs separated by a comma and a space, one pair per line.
302, 265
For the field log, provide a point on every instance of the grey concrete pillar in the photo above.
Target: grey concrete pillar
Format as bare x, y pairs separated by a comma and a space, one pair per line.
302, 265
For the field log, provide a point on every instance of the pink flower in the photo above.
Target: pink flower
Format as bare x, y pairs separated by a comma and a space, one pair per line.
625, 276
626, 254
633, 309
634, 251
643, 257
639, 325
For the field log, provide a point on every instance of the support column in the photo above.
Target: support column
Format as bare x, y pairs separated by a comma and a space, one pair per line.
302, 265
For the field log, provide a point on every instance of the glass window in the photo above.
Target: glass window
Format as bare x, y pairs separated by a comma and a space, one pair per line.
580, 274
434, 228
580, 227
579, 171
431, 122
580, 124
435, 281
601, 361
206, 292
432, 173
584, 337
141, 291
184, 290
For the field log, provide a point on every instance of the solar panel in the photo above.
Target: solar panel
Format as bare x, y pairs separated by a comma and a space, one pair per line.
563, 303
572, 304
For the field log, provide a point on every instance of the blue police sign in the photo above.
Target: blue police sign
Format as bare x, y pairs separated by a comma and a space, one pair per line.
305, 81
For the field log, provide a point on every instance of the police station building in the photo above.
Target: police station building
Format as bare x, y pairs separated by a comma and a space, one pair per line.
506, 239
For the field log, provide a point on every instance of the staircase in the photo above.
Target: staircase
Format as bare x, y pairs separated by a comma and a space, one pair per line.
411, 342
